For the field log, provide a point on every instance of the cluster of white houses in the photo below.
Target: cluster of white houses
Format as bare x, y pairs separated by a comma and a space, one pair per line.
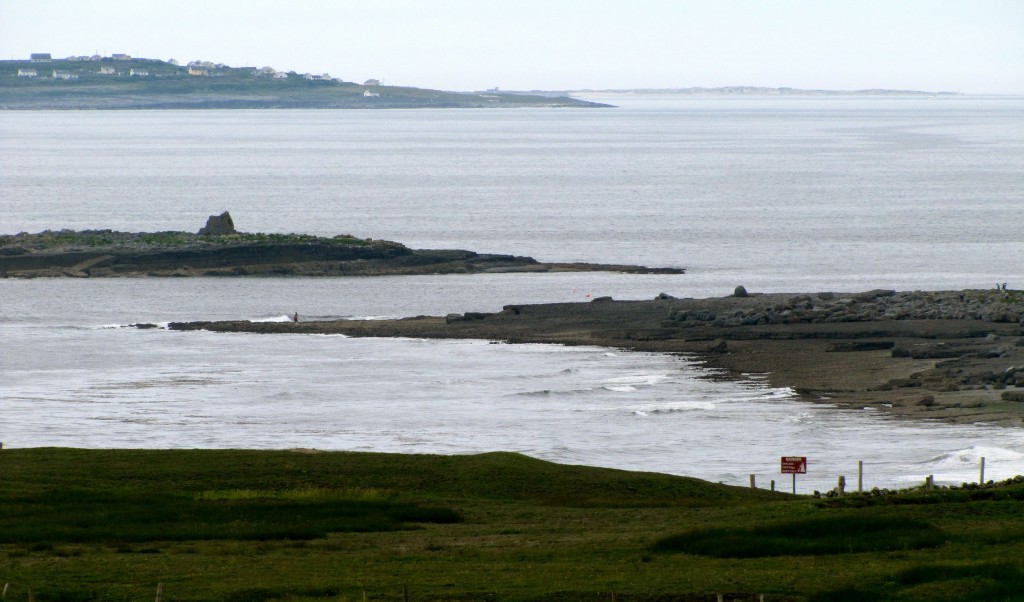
61, 74
44, 57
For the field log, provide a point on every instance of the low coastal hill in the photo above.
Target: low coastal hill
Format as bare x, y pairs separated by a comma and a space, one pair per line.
218, 250
307, 525
122, 82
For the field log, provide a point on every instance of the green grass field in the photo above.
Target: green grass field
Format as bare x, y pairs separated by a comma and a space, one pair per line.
292, 525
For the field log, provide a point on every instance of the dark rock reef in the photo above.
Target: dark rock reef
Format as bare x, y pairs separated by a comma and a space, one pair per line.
219, 250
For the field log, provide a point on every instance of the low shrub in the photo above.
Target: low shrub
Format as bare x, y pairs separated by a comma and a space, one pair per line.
939, 583
132, 517
831, 535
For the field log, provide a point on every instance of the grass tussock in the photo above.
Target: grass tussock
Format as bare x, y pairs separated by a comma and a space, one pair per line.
963, 582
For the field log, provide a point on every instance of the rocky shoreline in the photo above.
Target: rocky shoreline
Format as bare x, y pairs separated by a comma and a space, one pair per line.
218, 250
954, 356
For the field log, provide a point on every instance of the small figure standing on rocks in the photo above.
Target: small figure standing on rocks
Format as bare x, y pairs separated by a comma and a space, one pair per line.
295, 318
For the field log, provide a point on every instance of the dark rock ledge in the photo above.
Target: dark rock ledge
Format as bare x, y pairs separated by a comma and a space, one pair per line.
218, 250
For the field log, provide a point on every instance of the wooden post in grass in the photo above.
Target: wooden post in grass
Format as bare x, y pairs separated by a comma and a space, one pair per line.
841, 485
753, 482
721, 597
860, 476
773, 484
929, 482
159, 592
981, 471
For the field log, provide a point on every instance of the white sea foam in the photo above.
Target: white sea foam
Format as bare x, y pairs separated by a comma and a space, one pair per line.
674, 407
637, 380
971, 456
280, 318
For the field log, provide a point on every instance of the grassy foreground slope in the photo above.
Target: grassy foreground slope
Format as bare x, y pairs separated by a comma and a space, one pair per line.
297, 525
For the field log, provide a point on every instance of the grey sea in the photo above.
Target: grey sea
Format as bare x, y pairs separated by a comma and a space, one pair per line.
777, 194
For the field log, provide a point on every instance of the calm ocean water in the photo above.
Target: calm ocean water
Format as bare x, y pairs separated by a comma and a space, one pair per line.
775, 194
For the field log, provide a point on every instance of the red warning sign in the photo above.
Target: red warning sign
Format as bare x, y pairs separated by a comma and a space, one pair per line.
794, 464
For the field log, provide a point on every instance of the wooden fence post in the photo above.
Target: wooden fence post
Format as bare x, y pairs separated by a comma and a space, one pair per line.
753, 481
981, 472
841, 485
860, 476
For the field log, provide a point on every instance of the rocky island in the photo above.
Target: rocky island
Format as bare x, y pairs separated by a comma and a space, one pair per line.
956, 356
218, 249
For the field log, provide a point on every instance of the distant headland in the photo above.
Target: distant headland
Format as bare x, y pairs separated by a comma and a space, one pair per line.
736, 91
120, 81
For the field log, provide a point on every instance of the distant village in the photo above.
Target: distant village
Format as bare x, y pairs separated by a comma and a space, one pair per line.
44, 66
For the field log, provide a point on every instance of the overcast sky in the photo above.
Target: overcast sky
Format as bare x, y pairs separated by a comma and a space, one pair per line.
974, 46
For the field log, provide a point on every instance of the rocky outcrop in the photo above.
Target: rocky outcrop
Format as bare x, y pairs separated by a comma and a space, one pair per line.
218, 225
872, 306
